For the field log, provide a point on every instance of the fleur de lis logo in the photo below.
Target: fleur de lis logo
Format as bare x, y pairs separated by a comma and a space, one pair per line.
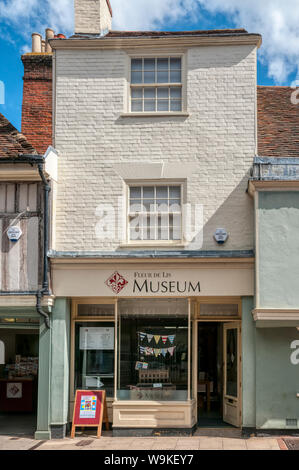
116, 282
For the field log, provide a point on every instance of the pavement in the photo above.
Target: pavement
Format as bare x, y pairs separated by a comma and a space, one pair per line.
204, 441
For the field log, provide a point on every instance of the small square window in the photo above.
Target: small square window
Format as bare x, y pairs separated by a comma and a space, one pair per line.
155, 213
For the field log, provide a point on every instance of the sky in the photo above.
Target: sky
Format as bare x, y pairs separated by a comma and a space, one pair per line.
276, 20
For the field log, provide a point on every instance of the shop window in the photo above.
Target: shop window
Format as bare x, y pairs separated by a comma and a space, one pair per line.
94, 356
153, 350
2, 353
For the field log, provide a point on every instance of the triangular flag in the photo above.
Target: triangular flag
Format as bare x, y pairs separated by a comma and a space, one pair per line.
149, 337
157, 352
171, 338
164, 339
171, 350
164, 352
157, 338
142, 336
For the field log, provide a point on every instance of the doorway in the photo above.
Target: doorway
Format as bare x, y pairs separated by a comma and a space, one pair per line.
218, 374
18, 378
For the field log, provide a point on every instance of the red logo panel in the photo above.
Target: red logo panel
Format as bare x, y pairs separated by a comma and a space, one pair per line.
116, 282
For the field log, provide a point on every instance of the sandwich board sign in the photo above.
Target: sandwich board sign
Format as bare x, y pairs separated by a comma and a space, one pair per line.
90, 410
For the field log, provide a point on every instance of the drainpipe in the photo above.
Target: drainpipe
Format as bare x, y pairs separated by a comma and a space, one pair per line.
45, 287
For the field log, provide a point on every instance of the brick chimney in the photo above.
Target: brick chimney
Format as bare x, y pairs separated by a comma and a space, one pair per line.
37, 93
93, 16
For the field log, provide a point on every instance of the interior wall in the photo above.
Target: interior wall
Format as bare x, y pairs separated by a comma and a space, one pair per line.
8, 336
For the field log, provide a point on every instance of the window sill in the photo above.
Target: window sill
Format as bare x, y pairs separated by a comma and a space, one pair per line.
153, 245
158, 114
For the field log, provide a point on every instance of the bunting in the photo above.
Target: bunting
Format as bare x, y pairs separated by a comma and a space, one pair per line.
157, 338
156, 351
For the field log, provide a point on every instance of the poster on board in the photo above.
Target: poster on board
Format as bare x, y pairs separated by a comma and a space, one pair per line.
99, 338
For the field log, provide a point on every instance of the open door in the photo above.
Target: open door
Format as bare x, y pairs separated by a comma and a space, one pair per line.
232, 373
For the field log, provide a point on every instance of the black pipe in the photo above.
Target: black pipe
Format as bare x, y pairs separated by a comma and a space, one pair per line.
45, 289
39, 309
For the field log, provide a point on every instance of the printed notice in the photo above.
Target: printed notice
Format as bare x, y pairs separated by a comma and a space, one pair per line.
88, 407
96, 338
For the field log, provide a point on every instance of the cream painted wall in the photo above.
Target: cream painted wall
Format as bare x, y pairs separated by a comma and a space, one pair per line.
217, 138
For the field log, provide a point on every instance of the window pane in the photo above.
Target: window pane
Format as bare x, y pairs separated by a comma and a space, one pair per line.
135, 206
175, 105
162, 77
163, 105
162, 205
163, 233
232, 362
136, 106
162, 64
148, 192
174, 205
149, 92
153, 350
174, 192
149, 77
95, 310
163, 92
175, 233
136, 77
137, 93
149, 105
149, 205
149, 64
175, 76
175, 92
162, 192
136, 64
94, 368
175, 63
135, 192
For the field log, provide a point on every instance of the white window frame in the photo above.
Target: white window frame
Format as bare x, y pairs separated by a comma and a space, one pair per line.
155, 183
181, 84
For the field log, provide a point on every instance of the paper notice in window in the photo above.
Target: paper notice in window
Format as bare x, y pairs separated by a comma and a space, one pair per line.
96, 338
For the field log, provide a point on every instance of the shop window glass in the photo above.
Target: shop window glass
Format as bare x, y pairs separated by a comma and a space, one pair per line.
96, 310
232, 363
153, 350
94, 356
2, 353
219, 310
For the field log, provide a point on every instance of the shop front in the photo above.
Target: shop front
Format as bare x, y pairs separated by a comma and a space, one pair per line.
19, 344
159, 340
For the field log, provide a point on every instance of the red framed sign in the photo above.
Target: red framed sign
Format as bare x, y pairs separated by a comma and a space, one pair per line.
89, 410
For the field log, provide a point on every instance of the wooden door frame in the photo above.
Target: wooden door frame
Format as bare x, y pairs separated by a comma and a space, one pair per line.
195, 370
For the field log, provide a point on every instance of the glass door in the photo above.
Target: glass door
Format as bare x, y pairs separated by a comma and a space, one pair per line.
232, 374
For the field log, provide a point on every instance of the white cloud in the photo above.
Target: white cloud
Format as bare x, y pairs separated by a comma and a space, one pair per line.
276, 20
149, 14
